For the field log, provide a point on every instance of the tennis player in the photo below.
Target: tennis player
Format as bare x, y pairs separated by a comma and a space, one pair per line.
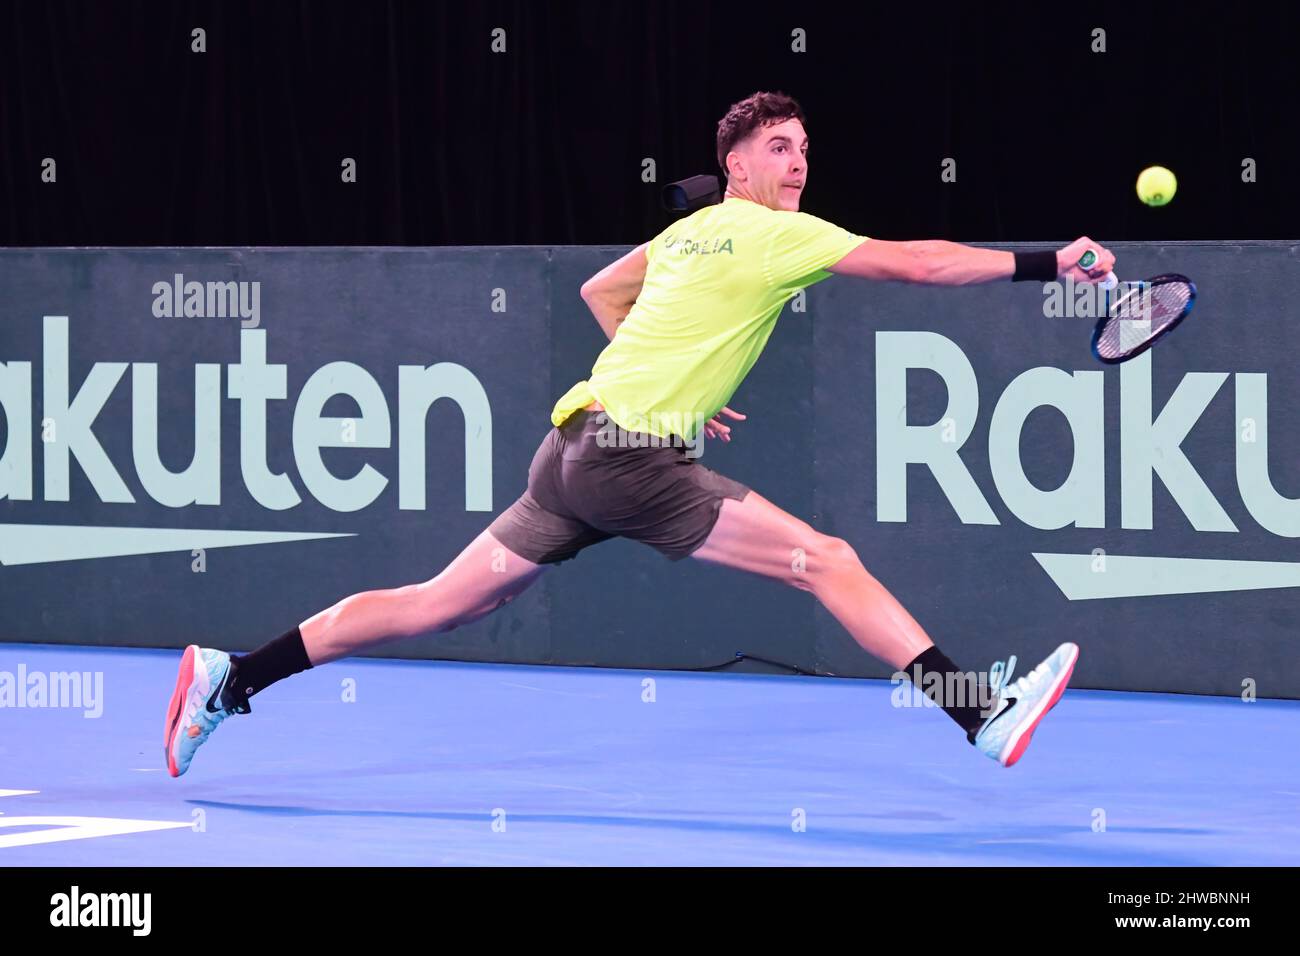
687, 315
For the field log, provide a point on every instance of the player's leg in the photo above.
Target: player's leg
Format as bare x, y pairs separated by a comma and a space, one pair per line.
534, 532
757, 536
483, 577
754, 535
211, 684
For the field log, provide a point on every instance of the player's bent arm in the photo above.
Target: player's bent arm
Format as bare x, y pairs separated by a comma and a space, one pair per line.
611, 292
926, 262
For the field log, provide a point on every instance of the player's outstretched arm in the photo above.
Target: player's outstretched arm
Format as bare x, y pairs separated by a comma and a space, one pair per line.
938, 262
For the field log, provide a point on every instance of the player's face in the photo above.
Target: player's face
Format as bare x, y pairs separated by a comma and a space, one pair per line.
777, 164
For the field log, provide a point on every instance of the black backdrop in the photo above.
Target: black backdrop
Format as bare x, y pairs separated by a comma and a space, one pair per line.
242, 145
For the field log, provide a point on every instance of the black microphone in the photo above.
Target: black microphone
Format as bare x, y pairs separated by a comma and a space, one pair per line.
687, 195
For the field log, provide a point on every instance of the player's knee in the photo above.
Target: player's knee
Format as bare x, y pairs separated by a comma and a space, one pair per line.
831, 556
819, 560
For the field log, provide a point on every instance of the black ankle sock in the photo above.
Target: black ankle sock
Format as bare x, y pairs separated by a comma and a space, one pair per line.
934, 661
273, 661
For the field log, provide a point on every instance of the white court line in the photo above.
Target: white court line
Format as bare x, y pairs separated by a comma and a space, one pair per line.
547, 690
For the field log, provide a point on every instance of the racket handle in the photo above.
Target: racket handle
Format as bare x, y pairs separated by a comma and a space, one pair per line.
1088, 260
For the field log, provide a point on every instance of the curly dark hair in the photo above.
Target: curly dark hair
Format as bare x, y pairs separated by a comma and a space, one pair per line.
750, 114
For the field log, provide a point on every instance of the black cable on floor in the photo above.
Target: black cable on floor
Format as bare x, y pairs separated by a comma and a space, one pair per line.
742, 656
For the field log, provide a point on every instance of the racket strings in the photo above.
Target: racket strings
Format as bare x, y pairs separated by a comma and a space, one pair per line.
1141, 315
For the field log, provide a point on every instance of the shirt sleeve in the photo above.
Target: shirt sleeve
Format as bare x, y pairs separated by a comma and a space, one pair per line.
802, 246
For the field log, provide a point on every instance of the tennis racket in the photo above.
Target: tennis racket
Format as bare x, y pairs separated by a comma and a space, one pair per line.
1142, 313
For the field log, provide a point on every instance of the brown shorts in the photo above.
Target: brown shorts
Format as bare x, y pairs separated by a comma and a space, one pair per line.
582, 491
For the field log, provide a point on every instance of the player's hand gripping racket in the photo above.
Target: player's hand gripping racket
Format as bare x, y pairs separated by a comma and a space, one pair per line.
1142, 313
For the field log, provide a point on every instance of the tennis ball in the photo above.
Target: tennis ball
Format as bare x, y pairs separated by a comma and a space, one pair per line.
1156, 185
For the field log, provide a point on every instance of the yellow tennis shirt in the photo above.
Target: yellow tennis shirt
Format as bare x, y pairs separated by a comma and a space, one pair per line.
715, 283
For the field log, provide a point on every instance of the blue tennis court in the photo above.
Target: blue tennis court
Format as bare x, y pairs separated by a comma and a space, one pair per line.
367, 762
